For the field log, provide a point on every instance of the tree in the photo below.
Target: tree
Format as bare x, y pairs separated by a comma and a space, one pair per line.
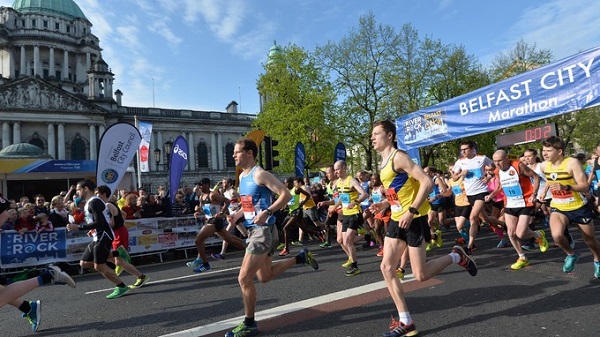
360, 62
298, 101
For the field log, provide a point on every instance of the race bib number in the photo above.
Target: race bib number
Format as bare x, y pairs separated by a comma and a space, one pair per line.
473, 174
457, 190
206, 210
393, 200
562, 197
248, 207
345, 197
376, 197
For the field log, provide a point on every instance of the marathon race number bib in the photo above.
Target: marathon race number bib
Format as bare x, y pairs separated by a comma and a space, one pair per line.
457, 190
345, 197
248, 207
393, 200
376, 197
514, 196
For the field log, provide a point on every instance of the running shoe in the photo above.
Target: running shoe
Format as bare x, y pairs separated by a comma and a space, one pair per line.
503, 243
217, 256
429, 246
569, 265
399, 329
521, 263
139, 282
347, 264
542, 242
400, 273
352, 271
297, 243
309, 258
438, 238
281, 246
460, 241
118, 292
465, 261
325, 245
361, 231
60, 277
596, 269
242, 330
530, 247
202, 268
34, 316
380, 252
197, 262
284, 252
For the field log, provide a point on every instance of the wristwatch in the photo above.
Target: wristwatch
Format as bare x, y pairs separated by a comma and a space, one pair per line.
269, 212
413, 210
569, 188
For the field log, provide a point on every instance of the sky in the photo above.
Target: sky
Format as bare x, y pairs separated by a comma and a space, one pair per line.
203, 54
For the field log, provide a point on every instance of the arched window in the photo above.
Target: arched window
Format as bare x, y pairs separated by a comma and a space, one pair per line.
35, 140
202, 155
78, 148
229, 161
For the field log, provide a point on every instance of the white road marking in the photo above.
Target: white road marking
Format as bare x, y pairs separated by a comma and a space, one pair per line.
284, 309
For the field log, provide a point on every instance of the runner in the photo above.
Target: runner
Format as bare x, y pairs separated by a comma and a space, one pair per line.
256, 189
568, 182
514, 179
407, 188
120, 244
99, 250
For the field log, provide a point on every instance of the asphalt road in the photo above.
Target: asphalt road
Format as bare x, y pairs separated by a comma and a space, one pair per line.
539, 300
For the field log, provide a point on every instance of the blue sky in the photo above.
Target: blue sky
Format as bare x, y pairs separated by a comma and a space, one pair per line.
202, 54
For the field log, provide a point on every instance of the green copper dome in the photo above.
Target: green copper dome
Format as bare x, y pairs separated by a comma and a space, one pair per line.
274, 52
64, 8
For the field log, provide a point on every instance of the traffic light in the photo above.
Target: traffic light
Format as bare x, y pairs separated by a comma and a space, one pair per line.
270, 153
274, 153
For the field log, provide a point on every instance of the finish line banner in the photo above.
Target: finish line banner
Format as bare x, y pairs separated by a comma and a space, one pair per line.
568, 85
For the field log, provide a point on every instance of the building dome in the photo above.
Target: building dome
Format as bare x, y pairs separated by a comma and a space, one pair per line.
23, 150
274, 52
64, 8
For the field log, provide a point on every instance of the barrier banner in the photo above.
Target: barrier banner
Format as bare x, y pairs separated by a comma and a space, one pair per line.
179, 159
570, 84
299, 160
146, 236
118, 146
339, 152
145, 129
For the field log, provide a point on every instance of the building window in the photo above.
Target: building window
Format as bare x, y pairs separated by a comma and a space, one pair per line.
229, 161
202, 155
68, 29
23, 23
35, 140
45, 23
78, 148
32, 22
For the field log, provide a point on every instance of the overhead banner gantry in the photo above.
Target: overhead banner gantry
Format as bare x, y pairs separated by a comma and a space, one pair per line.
570, 84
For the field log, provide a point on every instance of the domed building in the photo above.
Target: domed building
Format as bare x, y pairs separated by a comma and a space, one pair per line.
56, 92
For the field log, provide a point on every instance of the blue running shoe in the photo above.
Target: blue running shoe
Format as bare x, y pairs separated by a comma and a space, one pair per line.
194, 264
202, 268
399, 329
569, 265
34, 316
309, 258
243, 331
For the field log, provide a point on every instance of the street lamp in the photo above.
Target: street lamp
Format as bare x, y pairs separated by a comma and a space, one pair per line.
167, 147
157, 158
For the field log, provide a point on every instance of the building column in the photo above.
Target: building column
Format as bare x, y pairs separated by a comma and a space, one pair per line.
220, 151
61, 142
51, 70
65, 66
93, 142
213, 152
101, 129
36, 61
5, 134
51, 141
192, 158
23, 70
88, 61
159, 145
16, 132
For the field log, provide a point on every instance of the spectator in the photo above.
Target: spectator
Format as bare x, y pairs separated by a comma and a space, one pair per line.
180, 206
40, 205
59, 215
78, 212
9, 224
131, 209
43, 224
24, 222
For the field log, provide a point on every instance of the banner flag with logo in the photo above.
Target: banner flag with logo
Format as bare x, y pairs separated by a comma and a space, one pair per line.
179, 159
118, 146
300, 160
570, 84
339, 152
145, 129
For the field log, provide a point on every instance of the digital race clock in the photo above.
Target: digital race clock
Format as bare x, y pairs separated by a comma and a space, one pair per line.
526, 136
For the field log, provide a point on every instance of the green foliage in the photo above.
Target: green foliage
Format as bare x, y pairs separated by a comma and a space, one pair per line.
298, 100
